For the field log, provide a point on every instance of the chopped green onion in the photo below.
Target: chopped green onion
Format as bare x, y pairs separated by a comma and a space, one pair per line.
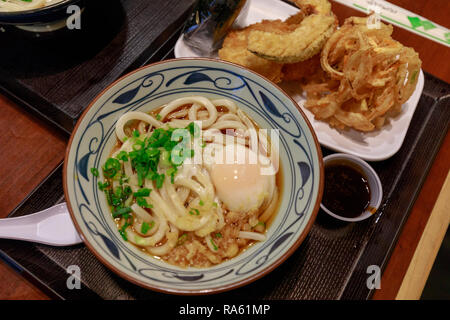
194, 212
171, 172
122, 230
143, 203
141, 171
108, 196
138, 145
145, 227
144, 192
122, 155
124, 235
151, 175
123, 179
111, 167
152, 152
147, 157
182, 239
118, 192
160, 180
103, 186
94, 172
214, 245
193, 129
260, 223
201, 203
164, 159
121, 211
128, 202
127, 191
169, 145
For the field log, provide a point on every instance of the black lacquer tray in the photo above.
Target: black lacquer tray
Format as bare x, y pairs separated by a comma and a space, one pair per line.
332, 262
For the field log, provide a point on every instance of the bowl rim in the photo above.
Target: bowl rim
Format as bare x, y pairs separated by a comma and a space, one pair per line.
214, 290
37, 10
368, 170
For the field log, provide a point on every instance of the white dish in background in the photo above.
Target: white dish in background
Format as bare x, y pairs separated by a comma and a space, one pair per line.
373, 146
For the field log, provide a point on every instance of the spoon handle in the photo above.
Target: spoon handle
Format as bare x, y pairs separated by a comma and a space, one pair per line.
52, 226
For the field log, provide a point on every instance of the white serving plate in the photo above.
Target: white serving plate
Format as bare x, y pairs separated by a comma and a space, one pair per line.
373, 146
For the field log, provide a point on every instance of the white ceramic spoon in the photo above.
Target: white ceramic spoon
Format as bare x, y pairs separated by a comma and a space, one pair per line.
52, 226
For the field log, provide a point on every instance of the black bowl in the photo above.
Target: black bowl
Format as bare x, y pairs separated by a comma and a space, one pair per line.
40, 17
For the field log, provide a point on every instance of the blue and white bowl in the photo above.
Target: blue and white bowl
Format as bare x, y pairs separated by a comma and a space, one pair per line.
152, 86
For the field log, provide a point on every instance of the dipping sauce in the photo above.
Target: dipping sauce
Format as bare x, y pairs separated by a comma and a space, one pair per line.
347, 191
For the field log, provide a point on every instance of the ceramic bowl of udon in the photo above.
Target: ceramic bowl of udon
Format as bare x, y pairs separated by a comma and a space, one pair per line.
151, 87
53, 16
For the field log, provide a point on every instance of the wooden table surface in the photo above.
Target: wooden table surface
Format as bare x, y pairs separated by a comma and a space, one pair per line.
30, 149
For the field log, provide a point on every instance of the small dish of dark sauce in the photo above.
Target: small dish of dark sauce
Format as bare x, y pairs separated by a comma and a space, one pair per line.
352, 189
347, 191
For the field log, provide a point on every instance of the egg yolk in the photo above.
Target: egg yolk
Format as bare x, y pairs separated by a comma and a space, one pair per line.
241, 186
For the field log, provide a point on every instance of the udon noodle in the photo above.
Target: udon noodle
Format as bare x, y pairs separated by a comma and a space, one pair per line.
176, 193
21, 5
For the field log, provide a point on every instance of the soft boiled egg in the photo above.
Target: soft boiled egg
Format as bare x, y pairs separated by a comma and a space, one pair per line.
241, 179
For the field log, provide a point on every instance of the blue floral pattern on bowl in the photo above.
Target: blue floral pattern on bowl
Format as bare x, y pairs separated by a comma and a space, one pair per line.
151, 87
